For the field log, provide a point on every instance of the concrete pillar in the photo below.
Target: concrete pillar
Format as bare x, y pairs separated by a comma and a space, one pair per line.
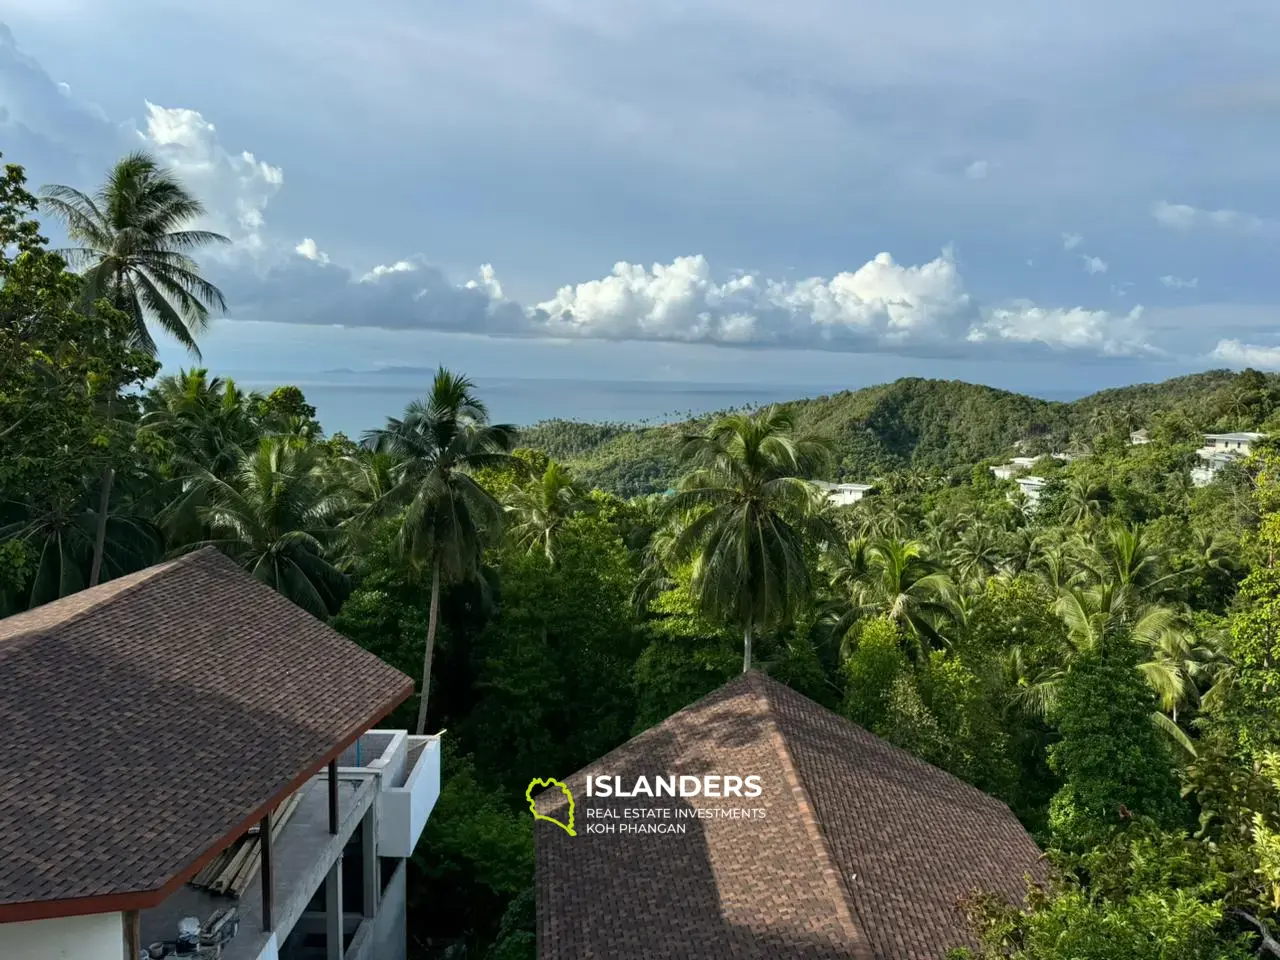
333, 925
370, 874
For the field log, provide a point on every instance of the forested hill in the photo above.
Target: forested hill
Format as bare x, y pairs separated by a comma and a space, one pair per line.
939, 425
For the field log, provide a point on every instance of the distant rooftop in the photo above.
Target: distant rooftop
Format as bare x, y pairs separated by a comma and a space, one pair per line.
1235, 437
148, 722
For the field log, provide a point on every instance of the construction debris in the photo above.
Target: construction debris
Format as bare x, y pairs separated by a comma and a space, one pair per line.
231, 871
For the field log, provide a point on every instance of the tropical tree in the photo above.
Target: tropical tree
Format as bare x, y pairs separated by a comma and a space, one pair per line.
276, 515
1083, 499
1122, 555
976, 554
894, 579
446, 517
208, 422
133, 243
746, 516
539, 508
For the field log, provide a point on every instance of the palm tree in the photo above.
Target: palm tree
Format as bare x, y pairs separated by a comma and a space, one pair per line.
207, 421
540, 507
1083, 499
746, 516
366, 479
276, 515
447, 516
1122, 557
892, 578
133, 245
976, 553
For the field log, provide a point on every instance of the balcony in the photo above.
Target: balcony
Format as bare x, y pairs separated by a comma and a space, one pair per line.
409, 769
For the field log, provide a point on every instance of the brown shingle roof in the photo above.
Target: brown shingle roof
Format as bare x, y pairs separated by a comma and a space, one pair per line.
151, 720
862, 853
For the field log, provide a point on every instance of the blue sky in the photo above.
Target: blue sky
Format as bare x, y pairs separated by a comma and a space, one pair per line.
1040, 196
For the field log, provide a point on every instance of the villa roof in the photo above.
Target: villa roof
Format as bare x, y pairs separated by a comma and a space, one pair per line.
1243, 437
862, 852
150, 721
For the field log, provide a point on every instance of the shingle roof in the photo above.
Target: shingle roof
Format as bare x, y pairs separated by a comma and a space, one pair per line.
149, 721
862, 853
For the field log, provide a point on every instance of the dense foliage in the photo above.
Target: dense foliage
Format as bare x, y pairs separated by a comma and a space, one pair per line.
1106, 662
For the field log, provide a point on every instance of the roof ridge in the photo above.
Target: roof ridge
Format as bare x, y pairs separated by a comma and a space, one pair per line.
146, 575
842, 897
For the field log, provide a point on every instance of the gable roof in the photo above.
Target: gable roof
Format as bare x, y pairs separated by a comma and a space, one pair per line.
863, 850
150, 721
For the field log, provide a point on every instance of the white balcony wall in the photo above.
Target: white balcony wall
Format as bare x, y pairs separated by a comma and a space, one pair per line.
97, 936
403, 809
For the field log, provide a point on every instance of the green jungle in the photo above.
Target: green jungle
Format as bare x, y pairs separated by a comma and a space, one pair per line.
1105, 661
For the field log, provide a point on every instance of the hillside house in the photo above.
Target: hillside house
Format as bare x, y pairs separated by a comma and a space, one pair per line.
843, 494
1031, 488
1219, 450
1138, 438
183, 742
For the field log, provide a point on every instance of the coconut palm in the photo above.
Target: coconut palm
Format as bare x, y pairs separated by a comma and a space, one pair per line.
745, 516
447, 517
1122, 556
1083, 499
976, 553
133, 243
276, 515
893, 578
539, 508
207, 421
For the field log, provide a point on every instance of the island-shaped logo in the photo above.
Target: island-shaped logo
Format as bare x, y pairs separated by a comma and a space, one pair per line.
551, 782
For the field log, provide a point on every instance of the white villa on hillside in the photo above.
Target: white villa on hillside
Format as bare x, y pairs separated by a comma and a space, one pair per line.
1007, 471
1031, 488
1139, 437
843, 494
1219, 450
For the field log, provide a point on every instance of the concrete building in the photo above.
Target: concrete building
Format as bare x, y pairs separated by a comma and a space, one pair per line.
1031, 488
1139, 437
1219, 450
184, 742
843, 494
1007, 471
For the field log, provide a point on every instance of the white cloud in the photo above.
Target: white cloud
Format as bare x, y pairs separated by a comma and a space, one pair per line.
1239, 354
1178, 283
882, 306
1180, 216
307, 248
1094, 265
383, 270
1071, 240
234, 187
977, 170
1094, 331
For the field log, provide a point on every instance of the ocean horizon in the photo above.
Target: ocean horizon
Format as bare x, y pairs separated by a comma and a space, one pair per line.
352, 402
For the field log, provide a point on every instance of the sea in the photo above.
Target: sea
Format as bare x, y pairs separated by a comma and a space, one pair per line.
352, 402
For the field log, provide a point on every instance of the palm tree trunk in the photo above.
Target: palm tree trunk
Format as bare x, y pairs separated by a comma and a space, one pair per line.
432, 619
746, 647
100, 534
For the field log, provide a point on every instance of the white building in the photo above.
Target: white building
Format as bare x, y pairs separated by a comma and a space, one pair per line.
184, 742
1031, 488
1139, 437
1219, 450
1007, 471
843, 494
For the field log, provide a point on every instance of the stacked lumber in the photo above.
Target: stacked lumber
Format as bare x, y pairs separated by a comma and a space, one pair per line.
231, 871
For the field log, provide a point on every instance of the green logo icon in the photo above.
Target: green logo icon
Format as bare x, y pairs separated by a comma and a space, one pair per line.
550, 782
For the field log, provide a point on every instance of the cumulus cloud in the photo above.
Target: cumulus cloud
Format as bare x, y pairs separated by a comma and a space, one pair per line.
1239, 354
1071, 240
1178, 283
882, 306
977, 170
235, 186
1094, 265
1095, 331
308, 249
1180, 216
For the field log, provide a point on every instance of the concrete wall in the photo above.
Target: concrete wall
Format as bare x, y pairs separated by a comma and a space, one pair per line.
99, 936
389, 930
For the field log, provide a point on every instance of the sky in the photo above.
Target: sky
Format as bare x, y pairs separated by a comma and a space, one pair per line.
1044, 197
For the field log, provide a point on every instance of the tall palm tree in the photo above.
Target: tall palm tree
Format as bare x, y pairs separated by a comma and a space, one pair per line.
1122, 556
1083, 499
893, 578
277, 516
447, 516
207, 421
540, 506
746, 516
976, 554
133, 243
